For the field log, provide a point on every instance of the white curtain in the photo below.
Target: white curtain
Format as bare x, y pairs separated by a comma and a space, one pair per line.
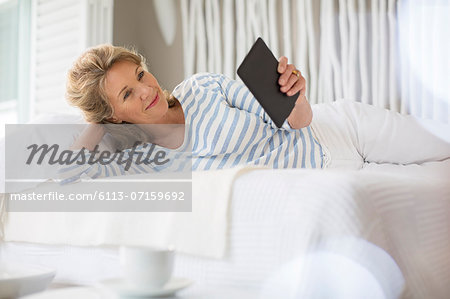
361, 50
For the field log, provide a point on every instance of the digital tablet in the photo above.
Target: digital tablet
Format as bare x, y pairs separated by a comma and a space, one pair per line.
259, 73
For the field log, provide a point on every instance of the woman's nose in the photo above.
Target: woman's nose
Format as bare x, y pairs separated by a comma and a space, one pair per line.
145, 91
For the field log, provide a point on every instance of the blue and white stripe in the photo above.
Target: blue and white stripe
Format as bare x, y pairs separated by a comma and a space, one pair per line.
230, 128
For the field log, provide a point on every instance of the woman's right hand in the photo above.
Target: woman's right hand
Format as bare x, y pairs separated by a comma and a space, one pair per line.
90, 137
292, 82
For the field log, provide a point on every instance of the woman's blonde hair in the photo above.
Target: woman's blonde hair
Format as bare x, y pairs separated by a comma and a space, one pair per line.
86, 80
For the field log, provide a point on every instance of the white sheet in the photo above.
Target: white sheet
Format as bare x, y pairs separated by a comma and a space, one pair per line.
355, 133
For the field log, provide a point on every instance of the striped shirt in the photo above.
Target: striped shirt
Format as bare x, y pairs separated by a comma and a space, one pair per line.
229, 127
226, 127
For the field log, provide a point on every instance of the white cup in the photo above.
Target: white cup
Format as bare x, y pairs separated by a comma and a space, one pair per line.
146, 267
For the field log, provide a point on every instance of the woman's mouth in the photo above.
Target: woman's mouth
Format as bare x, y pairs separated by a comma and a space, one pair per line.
154, 102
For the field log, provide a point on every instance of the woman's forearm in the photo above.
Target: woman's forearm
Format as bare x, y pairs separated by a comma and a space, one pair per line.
301, 115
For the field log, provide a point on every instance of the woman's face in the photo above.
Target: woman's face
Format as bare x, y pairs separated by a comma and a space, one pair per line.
134, 94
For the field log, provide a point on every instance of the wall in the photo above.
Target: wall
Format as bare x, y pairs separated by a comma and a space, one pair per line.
135, 25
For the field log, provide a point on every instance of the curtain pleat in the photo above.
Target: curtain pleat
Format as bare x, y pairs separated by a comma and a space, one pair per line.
404, 72
383, 82
313, 62
200, 37
412, 84
374, 65
421, 108
333, 49
394, 103
211, 49
363, 52
287, 35
188, 19
344, 39
241, 41
214, 50
228, 30
353, 49
217, 37
273, 28
248, 20
263, 17
300, 51
322, 57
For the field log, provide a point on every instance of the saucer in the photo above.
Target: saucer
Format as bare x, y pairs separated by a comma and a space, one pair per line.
123, 288
17, 279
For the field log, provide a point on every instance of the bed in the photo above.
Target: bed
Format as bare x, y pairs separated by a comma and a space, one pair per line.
269, 219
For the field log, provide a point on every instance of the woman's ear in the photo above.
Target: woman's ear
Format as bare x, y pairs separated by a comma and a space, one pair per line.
114, 119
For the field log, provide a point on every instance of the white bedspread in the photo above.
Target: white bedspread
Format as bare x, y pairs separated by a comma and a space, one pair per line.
201, 232
278, 215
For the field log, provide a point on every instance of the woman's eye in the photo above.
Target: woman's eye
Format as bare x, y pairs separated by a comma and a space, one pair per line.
127, 94
140, 75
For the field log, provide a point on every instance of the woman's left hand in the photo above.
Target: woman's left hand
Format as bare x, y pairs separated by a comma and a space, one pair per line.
291, 80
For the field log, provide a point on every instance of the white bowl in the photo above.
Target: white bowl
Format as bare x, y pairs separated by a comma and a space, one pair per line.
18, 280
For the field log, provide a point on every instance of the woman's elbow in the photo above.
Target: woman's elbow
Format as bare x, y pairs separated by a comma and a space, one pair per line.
306, 120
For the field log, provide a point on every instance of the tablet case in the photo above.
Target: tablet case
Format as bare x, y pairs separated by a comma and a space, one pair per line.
259, 73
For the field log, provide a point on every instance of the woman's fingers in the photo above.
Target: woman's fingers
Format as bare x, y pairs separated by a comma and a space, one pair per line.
293, 79
298, 86
282, 64
284, 77
289, 82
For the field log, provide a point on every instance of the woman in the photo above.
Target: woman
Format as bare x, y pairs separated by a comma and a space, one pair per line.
225, 125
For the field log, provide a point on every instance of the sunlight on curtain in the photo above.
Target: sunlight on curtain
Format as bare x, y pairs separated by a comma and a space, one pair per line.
424, 47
